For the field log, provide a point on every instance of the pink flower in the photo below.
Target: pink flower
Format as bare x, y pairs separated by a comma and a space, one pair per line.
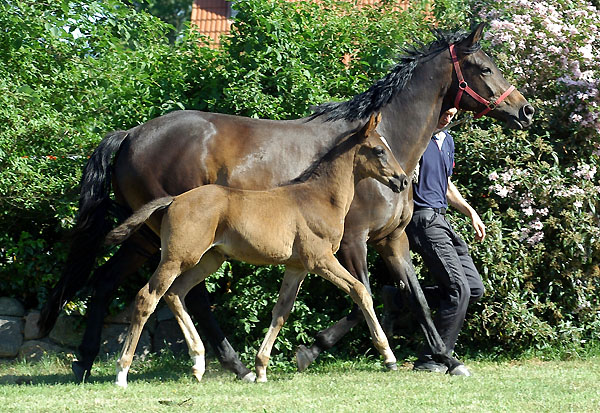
586, 52
542, 212
537, 224
535, 238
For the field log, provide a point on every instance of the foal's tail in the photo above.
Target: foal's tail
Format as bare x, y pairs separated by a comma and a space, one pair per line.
91, 226
131, 224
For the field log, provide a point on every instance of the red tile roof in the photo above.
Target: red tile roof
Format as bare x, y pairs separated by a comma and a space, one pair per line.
213, 17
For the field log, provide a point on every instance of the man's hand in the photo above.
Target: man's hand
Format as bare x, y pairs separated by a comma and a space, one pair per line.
478, 226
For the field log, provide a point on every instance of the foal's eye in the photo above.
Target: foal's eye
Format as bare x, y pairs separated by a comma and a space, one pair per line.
486, 71
379, 151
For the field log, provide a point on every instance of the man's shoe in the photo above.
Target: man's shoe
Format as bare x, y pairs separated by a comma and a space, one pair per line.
430, 366
460, 370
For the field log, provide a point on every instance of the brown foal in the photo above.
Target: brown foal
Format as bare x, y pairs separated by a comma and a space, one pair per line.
299, 224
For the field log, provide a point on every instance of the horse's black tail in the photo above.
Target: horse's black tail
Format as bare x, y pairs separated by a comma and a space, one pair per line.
131, 224
91, 227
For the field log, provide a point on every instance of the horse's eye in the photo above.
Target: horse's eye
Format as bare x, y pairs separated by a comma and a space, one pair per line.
486, 71
379, 151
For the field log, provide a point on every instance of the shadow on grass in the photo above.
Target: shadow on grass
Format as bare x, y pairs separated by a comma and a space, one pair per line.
158, 370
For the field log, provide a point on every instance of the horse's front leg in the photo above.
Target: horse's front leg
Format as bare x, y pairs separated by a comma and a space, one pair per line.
394, 250
353, 256
329, 268
290, 286
145, 304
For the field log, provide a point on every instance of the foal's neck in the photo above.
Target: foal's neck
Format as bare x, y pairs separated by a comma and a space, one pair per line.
335, 176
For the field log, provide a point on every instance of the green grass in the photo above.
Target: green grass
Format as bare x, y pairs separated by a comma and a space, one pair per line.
166, 385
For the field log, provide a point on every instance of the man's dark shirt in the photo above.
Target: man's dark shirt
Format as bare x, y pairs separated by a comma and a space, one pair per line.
435, 167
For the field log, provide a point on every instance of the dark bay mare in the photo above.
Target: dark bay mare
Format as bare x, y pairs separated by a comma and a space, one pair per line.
202, 227
186, 149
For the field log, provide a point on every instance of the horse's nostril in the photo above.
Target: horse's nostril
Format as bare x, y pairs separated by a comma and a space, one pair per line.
528, 111
405, 182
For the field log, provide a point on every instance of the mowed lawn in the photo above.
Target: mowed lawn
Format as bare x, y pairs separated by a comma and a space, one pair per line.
361, 386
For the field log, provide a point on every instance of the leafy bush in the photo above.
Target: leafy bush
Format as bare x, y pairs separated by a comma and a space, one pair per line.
70, 72
538, 190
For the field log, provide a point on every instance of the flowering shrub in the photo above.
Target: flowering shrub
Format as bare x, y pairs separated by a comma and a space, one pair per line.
538, 190
553, 49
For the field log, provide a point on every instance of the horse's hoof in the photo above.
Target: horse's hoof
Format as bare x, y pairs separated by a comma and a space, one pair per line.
391, 366
261, 379
460, 370
303, 357
121, 383
81, 373
249, 378
198, 372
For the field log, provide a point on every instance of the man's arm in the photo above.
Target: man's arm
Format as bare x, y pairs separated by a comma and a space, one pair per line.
456, 200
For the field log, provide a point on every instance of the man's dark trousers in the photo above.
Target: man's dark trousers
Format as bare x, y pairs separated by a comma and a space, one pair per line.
446, 255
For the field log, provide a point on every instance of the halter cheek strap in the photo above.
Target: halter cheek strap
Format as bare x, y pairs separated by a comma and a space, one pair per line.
464, 87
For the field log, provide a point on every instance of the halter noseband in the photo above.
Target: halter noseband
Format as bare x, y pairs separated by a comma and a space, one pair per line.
464, 87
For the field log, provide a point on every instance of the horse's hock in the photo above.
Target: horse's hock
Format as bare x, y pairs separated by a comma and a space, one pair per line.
20, 337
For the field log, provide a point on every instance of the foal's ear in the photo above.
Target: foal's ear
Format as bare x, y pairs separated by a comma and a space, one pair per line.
370, 125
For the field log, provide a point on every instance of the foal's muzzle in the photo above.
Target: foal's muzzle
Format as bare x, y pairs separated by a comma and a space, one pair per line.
398, 183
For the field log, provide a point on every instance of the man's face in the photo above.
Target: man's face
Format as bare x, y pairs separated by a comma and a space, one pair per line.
446, 118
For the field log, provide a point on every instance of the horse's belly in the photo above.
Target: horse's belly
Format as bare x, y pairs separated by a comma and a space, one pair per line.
258, 250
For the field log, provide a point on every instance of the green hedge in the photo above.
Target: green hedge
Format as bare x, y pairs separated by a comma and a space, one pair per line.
70, 73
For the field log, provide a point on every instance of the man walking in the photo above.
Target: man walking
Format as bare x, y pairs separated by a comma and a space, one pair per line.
444, 252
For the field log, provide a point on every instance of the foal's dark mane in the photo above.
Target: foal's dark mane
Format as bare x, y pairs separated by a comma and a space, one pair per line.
381, 93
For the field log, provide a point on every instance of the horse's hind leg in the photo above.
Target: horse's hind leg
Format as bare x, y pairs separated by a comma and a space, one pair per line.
209, 263
394, 250
330, 269
353, 256
198, 304
145, 304
288, 291
126, 261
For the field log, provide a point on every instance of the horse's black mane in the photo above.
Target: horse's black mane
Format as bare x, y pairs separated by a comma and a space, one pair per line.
382, 91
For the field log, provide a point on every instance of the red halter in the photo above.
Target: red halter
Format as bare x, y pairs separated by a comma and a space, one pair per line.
464, 87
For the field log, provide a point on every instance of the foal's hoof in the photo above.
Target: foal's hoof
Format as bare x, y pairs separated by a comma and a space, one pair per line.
122, 385
391, 366
80, 372
460, 370
303, 357
249, 378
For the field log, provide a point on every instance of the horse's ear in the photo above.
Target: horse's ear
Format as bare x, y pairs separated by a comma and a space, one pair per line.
477, 34
474, 38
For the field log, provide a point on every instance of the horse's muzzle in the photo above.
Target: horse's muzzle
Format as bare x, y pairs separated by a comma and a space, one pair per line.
398, 183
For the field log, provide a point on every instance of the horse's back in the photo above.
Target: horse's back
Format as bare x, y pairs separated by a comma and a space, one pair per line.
186, 149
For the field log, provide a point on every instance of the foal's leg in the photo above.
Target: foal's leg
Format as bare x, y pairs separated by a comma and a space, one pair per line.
394, 250
145, 304
210, 262
330, 269
198, 305
353, 256
290, 286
